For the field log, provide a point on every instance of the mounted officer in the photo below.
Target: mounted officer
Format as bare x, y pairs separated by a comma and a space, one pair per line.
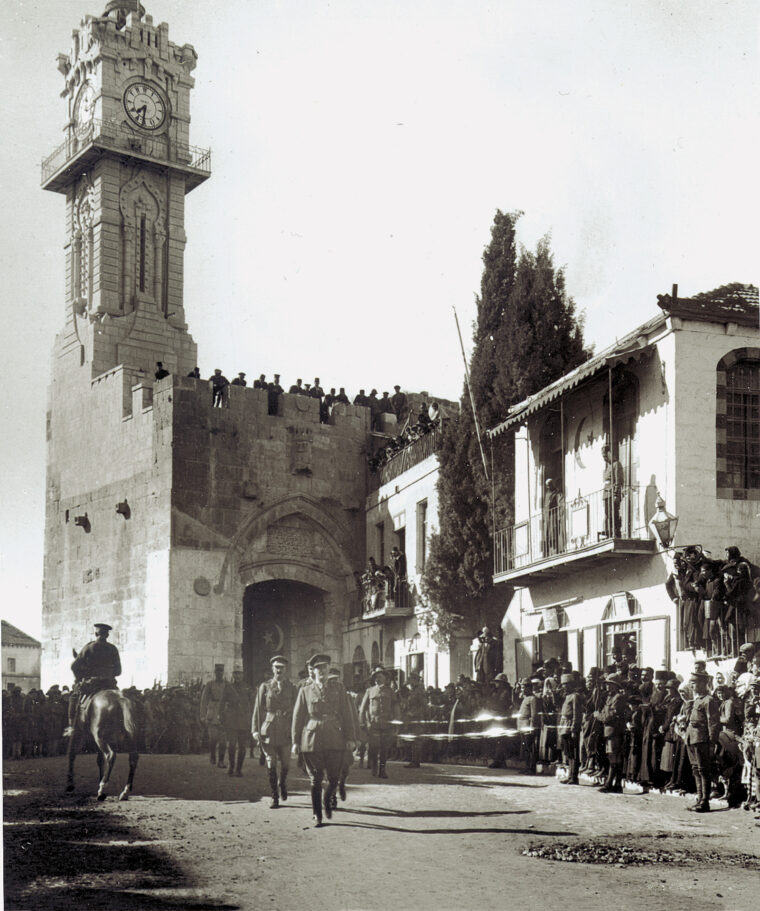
95, 668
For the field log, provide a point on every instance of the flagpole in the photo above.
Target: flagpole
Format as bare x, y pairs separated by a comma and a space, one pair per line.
469, 390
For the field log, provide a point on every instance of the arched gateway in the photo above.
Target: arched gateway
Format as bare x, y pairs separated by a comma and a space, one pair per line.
292, 565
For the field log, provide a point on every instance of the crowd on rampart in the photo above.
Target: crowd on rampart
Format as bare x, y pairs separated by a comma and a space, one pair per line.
397, 404
428, 419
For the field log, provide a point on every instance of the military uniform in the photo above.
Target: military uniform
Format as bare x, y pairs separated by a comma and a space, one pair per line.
702, 735
614, 716
272, 722
236, 713
378, 708
530, 720
211, 715
322, 723
95, 668
569, 727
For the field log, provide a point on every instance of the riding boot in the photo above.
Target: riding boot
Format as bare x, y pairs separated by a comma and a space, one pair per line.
284, 785
273, 786
606, 788
342, 787
699, 798
220, 763
329, 797
231, 767
316, 803
704, 805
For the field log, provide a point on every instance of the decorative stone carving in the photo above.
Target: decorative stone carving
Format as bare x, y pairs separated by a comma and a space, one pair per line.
301, 454
290, 541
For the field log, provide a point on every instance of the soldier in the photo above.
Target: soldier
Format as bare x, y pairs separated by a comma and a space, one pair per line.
614, 716
297, 388
322, 730
530, 720
271, 725
569, 726
274, 391
239, 380
348, 755
261, 382
95, 668
316, 391
210, 714
236, 713
702, 736
378, 708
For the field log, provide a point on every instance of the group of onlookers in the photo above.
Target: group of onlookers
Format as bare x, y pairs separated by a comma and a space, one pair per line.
427, 420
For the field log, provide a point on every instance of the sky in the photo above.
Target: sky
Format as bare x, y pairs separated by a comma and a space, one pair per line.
359, 153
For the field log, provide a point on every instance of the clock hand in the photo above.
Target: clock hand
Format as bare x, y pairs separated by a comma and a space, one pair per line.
140, 113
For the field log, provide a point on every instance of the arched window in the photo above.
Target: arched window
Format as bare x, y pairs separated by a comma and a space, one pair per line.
738, 425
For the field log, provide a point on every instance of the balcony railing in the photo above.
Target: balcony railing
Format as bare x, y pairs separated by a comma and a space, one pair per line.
412, 454
379, 601
569, 528
112, 135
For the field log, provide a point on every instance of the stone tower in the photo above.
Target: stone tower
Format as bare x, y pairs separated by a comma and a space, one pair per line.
201, 534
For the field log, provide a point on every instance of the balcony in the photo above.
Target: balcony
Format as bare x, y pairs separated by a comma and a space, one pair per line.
82, 149
412, 454
377, 602
590, 528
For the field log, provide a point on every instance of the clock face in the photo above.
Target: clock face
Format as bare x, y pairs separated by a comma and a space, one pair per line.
84, 108
145, 105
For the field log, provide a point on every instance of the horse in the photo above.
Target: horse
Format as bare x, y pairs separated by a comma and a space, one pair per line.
107, 717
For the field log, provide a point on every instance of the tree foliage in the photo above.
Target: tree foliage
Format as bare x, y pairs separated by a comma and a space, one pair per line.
526, 335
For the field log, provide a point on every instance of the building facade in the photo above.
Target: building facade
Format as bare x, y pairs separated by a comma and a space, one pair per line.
21, 658
586, 573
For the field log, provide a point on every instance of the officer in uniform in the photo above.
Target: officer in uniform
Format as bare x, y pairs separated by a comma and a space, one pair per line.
569, 726
614, 715
378, 708
323, 729
211, 714
95, 668
236, 713
702, 737
271, 726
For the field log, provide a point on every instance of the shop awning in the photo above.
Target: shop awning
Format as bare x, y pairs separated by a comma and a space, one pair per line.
633, 348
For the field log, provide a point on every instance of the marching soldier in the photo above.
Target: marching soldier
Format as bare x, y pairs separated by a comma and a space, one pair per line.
271, 726
702, 737
322, 731
569, 726
210, 714
378, 708
236, 713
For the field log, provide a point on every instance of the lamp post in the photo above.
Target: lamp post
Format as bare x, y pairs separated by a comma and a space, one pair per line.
663, 524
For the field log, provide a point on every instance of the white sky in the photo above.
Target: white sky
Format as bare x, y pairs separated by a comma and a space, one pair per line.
360, 150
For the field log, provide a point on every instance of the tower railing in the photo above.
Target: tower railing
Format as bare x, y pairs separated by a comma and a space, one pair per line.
117, 136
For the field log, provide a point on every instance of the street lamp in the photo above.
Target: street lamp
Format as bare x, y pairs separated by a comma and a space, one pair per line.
663, 524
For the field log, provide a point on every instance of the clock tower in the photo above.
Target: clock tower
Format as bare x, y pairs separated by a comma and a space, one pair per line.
125, 166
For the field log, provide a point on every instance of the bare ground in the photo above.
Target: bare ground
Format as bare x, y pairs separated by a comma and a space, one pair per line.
440, 837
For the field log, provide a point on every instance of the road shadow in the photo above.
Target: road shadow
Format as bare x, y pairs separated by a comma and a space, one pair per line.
432, 814
470, 831
77, 856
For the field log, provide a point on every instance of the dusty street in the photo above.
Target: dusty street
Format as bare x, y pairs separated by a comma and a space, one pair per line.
439, 837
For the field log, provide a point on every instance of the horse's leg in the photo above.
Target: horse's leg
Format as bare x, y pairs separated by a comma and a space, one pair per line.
107, 753
133, 758
71, 755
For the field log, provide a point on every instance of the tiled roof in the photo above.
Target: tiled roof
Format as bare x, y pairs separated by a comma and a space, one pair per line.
11, 635
733, 303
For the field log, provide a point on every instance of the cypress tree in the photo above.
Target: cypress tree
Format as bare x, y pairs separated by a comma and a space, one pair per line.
526, 335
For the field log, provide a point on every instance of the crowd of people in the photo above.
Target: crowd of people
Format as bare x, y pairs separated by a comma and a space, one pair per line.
396, 404
700, 736
427, 420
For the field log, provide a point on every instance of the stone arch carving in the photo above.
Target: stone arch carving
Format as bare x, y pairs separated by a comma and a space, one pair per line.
725, 486
82, 242
143, 222
253, 565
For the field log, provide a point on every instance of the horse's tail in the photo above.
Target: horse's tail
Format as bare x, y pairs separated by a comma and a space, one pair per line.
126, 711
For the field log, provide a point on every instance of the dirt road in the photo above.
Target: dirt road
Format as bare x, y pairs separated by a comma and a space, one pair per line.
440, 837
